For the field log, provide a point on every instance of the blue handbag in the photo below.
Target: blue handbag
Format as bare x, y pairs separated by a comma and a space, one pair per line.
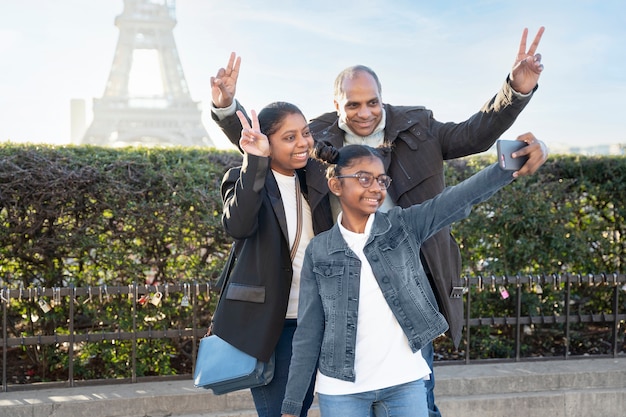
223, 368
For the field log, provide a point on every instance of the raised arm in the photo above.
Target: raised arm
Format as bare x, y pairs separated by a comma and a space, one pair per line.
480, 131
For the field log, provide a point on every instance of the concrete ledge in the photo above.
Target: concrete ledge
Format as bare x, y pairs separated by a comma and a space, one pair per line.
123, 400
568, 388
533, 376
571, 388
570, 403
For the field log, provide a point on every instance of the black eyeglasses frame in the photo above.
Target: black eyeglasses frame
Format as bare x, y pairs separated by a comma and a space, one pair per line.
383, 180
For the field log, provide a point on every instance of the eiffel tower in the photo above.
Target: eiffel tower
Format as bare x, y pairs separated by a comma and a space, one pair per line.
135, 108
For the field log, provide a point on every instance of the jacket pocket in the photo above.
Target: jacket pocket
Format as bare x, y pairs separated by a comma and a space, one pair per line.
328, 277
242, 292
393, 249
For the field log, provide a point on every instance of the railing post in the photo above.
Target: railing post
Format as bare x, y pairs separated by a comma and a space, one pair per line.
134, 291
615, 313
194, 319
70, 352
5, 341
568, 291
467, 322
518, 314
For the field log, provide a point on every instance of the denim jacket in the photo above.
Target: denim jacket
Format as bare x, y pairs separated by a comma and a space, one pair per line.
329, 283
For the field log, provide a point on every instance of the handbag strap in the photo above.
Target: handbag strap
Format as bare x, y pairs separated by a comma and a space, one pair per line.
296, 241
228, 266
223, 280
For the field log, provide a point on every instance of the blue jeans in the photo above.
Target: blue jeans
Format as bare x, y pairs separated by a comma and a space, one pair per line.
405, 400
269, 398
428, 352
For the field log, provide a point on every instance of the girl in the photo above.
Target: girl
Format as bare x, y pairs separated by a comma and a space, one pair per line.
265, 210
366, 306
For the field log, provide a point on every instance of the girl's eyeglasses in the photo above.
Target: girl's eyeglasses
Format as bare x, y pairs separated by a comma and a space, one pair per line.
366, 179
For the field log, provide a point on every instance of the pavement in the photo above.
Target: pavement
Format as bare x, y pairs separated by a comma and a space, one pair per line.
556, 388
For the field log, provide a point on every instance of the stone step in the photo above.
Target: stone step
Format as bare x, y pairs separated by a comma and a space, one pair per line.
568, 388
594, 402
572, 388
519, 377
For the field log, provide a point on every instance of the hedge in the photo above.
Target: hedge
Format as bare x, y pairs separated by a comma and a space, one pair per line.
90, 216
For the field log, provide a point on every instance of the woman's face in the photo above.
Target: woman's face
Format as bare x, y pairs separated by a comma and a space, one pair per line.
291, 144
357, 201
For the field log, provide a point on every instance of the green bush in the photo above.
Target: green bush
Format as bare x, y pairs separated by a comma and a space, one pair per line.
89, 216
568, 218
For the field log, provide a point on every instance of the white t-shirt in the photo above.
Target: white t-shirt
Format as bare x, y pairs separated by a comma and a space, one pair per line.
287, 187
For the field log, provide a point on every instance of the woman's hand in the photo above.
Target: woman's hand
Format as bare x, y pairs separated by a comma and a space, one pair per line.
252, 141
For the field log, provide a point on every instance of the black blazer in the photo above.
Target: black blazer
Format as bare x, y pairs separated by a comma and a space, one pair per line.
251, 312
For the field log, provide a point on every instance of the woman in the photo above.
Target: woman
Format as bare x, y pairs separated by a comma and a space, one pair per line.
266, 211
366, 307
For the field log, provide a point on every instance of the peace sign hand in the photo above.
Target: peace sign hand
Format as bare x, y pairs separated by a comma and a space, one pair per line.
527, 67
224, 84
252, 141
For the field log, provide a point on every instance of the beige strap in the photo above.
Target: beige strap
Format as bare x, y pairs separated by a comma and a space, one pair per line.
296, 241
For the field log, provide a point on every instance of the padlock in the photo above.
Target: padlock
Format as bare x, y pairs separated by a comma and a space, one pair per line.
156, 298
185, 301
45, 307
144, 299
503, 292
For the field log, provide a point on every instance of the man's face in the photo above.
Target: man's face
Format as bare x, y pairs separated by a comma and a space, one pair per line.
361, 106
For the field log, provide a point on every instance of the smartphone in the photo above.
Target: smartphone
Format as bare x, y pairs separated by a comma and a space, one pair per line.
505, 148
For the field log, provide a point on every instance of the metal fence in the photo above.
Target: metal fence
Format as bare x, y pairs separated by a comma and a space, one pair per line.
579, 307
508, 311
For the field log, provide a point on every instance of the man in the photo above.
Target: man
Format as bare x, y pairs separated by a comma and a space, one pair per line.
414, 146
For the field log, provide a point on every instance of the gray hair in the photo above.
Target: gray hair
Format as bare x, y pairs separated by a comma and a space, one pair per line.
350, 73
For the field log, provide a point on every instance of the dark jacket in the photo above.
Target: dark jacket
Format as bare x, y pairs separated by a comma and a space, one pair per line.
253, 305
418, 145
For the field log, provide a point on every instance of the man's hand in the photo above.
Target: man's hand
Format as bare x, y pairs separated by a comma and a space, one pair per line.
527, 67
224, 84
537, 154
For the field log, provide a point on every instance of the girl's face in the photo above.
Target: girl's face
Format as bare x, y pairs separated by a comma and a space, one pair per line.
357, 201
290, 145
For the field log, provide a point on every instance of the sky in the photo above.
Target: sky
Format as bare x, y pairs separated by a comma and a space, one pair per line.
450, 56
